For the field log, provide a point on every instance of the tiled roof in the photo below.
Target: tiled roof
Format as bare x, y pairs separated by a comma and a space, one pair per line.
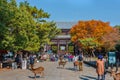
65, 25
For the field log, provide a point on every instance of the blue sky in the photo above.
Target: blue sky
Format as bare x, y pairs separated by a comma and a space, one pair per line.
75, 10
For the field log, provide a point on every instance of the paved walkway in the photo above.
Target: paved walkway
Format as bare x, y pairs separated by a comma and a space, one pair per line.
53, 72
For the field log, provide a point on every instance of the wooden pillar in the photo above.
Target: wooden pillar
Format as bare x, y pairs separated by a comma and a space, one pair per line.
66, 46
58, 45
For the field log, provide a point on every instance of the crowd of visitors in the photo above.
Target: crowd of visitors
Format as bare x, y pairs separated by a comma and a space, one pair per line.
24, 59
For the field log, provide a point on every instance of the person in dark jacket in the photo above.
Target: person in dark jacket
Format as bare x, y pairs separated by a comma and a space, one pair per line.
31, 60
18, 60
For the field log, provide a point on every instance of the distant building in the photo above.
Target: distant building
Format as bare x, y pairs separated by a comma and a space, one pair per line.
62, 43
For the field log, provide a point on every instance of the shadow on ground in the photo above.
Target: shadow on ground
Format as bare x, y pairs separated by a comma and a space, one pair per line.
60, 67
72, 69
87, 65
34, 77
86, 77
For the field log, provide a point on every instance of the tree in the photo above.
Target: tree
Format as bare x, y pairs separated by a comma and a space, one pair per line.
91, 32
7, 13
24, 26
110, 39
118, 27
44, 30
38, 14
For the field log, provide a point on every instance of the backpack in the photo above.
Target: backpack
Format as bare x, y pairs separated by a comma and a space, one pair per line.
80, 58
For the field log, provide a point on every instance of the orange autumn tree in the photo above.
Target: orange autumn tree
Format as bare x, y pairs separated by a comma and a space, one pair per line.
91, 31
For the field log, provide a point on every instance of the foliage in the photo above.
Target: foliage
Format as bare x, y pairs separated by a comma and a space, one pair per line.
110, 39
7, 12
118, 27
24, 26
117, 47
46, 31
71, 49
89, 43
92, 33
54, 49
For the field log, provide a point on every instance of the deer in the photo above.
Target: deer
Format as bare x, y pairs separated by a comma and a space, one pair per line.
115, 75
62, 63
39, 70
79, 64
76, 63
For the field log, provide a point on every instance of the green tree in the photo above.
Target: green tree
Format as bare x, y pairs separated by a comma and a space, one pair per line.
118, 27
45, 30
24, 26
7, 13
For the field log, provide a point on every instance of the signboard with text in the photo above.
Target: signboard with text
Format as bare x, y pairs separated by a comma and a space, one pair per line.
111, 57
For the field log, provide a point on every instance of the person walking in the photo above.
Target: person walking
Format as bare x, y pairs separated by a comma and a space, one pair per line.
31, 60
18, 60
100, 68
80, 59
